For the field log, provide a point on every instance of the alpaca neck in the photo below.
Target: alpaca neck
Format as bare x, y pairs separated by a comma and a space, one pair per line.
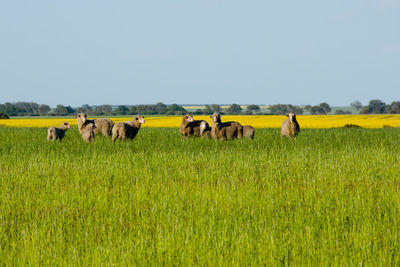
136, 123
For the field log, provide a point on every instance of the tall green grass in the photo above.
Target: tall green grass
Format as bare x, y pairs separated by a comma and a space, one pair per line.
330, 197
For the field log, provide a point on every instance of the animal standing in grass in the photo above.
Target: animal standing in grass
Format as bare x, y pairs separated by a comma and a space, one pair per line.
103, 126
248, 131
54, 133
225, 130
3, 116
189, 126
127, 130
290, 127
205, 130
88, 132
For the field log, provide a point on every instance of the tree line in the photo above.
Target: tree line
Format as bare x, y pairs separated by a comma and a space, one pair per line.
375, 106
34, 109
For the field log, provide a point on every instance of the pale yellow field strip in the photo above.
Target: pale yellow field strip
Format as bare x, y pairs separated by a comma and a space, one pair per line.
261, 121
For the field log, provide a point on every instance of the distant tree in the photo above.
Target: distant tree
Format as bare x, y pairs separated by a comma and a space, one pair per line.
375, 106
215, 108
325, 106
9, 108
198, 112
175, 109
107, 109
27, 108
279, 109
133, 110
342, 112
234, 109
70, 110
98, 110
152, 109
60, 110
161, 108
317, 110
255, 108
356, 104
297, 110
141, 109
121, 110
22, 107
207, 110
308, 108
85, 109
43, 109
393, 108
284, 109
78, 110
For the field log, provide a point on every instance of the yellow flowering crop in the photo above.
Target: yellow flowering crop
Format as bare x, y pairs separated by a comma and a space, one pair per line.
258, 121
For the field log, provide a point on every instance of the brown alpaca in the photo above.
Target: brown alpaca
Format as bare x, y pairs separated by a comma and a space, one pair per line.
290, 127
205, 130
190, 127
54, 133
88, 132
103, 126
127, 130
248, 131
225, 130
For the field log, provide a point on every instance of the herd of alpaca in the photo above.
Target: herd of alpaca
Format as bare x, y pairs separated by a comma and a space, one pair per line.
189, 128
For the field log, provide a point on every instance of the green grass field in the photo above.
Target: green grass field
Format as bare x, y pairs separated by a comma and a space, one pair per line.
332, 197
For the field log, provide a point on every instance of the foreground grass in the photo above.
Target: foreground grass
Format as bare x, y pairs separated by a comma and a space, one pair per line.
331, 197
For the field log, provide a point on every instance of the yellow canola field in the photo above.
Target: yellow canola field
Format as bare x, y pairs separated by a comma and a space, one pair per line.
258, 121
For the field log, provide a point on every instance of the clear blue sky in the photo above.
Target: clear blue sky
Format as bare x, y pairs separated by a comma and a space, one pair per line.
199, 51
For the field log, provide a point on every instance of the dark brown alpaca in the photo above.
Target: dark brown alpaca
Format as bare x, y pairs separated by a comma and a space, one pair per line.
225, 130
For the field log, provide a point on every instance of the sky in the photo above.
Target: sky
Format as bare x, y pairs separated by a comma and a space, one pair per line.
199, 52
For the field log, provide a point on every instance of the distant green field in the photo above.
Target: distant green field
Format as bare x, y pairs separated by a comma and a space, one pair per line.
332, 197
